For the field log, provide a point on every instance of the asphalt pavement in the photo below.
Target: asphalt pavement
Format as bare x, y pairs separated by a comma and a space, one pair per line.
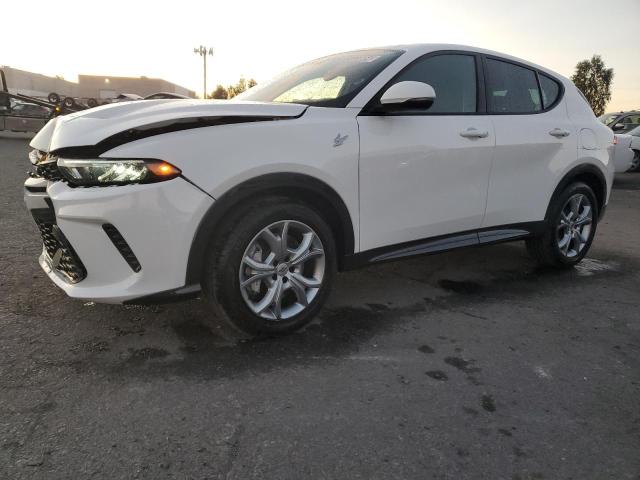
467, 365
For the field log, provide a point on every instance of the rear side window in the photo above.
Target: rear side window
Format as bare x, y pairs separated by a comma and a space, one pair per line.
550, 90
452, 76
511, 88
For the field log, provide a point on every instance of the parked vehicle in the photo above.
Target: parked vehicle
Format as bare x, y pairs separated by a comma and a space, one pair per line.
25, 117
623, 155
126, 97
346, 161
22, 113
635, 147
71, 102
621, 122
31, 110
164, 95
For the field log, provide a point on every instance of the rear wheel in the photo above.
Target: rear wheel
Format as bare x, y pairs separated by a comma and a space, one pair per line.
571, 227
271, 267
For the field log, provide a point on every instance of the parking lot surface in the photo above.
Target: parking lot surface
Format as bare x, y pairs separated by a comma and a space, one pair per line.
467, 365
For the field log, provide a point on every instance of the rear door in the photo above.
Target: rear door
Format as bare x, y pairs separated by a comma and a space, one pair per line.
424, 173
535, 141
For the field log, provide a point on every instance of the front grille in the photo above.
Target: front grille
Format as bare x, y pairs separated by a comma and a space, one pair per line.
123, 247
62, 256
49, 170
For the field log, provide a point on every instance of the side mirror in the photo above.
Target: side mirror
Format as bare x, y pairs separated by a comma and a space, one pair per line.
617, 127
409, 95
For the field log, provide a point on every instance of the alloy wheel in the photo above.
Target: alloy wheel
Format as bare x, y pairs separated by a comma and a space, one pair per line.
282, 269
574, 225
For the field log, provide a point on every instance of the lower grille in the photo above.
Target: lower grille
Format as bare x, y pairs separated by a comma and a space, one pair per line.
62, 256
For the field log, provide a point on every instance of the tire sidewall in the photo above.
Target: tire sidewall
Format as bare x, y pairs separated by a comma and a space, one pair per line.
554, 219
222, 281
635, 167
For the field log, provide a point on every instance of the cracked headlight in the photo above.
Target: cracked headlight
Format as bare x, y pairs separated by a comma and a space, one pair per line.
115, 171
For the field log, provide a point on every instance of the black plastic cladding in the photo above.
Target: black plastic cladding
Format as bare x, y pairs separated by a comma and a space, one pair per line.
122, 246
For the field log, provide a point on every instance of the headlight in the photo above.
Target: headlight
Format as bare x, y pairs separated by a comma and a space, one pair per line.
116, 171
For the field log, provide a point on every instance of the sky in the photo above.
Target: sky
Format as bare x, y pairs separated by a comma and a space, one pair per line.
257, 38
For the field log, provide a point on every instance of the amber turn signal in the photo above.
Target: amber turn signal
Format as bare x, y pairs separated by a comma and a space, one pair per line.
162, 169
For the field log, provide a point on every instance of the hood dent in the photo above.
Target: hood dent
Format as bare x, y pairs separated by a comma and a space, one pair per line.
113, 125
159, 128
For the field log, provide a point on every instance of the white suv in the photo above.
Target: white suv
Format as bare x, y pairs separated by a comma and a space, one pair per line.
345, 161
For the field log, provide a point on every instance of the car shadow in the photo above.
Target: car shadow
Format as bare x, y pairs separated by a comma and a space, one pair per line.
185, 340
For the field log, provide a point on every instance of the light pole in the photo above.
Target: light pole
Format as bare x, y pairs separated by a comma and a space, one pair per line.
203, 52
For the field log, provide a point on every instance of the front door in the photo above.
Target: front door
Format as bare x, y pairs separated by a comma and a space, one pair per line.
425, 174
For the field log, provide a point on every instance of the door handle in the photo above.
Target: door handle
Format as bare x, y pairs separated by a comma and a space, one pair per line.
474, 133
559, 133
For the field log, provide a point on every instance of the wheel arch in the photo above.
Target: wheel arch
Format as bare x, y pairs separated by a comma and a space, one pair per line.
586, 173
312, 191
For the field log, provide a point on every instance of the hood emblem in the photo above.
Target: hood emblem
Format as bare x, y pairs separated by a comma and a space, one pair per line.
339, 140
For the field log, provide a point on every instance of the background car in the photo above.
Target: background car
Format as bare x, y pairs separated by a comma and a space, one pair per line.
622, 154
621, 122
126, 97
23, 117
635, 147
164, 95
31, 110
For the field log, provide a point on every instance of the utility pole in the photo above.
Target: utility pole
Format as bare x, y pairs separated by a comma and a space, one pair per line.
203, 52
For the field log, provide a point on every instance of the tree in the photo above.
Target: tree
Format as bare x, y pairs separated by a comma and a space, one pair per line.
238, 88
220, 93
232, 90
594, 81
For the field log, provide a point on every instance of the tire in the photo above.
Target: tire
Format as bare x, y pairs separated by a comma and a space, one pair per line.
53, 97
92, 102
243, 238
549, 249
69, 102
635, 163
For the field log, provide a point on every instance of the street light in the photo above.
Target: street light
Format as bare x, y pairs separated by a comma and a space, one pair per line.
203, 52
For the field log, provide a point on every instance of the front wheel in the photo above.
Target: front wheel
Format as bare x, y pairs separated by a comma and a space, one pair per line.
271, 267
571, 226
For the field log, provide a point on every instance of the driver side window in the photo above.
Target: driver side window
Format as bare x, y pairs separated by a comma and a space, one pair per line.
452, 76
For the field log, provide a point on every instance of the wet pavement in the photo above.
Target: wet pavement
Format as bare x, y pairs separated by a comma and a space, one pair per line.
467, 365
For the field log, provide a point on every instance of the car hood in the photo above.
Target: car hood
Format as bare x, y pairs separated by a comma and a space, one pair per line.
96, 125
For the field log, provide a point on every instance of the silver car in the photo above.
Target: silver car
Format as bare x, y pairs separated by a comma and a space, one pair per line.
23, 117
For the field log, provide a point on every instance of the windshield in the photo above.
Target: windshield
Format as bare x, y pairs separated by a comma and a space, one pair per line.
326, 82
608, 118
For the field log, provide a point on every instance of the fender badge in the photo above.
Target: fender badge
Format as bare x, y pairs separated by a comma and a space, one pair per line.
339, 140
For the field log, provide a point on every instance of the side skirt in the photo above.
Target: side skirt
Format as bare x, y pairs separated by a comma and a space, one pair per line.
445, 243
